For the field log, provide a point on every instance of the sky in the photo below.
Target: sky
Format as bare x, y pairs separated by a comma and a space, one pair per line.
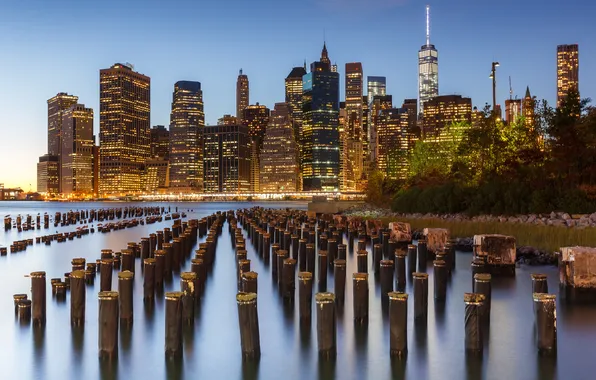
51, 46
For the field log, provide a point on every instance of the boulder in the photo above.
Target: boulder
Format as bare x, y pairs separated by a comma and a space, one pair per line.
436, 238
498, 249
580, 267
400, 232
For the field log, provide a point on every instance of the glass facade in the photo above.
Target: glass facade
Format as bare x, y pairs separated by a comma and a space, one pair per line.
278, 165
379, 103
320, 137
47, 174
255, 118
428, 75
56, 108
226, 158
77, 151
160, 142
124, 132
567, 70
395, 141
187, 121
376, 86
444, 110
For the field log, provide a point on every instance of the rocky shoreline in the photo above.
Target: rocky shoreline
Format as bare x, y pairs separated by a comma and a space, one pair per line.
557, 219
524, 254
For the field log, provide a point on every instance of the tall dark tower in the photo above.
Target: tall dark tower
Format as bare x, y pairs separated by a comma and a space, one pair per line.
320, 127
242, 94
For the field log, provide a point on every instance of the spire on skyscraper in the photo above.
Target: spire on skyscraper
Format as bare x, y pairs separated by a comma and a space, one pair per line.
325, 55
528, 92
428, 25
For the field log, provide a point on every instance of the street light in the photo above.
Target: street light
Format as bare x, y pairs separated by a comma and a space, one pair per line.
493, 76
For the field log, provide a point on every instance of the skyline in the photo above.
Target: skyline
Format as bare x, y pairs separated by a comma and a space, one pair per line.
34, 70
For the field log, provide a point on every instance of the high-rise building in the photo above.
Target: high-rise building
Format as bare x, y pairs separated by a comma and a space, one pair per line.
444, 110
157, 175
567, 70
376, 86
355, 141
242, 94
279, 155
96, 164
395, 141
528, 109
47, 174
411, 106
226, 157
56, 107
379, 103
255, 118
428, 69
124, 120
320, 133
77, 150
294, 97
325, 61
513, 109
187, 121
160, 142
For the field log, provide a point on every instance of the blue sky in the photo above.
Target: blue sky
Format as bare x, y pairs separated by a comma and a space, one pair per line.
49, 46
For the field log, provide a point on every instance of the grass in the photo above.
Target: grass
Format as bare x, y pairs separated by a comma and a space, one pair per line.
542, 237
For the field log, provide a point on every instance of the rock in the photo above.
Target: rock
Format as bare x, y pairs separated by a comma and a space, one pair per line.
400, 232
593, 217
534, 257
553, 215
436, 238
531, 218
565, 216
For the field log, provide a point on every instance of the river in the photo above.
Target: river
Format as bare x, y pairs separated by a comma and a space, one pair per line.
212, 347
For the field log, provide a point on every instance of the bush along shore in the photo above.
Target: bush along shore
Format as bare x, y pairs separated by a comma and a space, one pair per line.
538, 236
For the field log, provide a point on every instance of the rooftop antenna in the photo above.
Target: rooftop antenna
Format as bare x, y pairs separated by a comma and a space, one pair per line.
428, 25
240, 71
510, 89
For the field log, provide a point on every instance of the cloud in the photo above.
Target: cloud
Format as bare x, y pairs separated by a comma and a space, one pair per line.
344, 5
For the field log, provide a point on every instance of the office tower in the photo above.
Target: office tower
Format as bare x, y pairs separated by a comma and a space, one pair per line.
379, 103
123, 128
320, 134
160, 142
395, 141
187, 121
77, 151
47, 174
325, 61
342, 120
294, 98
279, 154
255, 118
528, 106
445, 110
56, 107
157, 175
242, 94
512, 110
411, 106
567, 70
376, 86
226, 157
428, 69
228, 120
353, 129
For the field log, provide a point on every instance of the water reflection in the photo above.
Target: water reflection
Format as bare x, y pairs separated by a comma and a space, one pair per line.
108, 369
175, 368
398, 367
250, 369
546, 367
327, 369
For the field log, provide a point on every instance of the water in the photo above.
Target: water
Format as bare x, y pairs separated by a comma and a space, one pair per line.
212, 348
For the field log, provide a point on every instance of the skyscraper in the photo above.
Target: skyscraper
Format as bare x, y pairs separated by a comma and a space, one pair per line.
320, 133
187, 121
160, 142
394, 142
226, 152
279, 155
47, 174
124, 135
528, 109
354, 137
242, 94
428, 69
444, 110
56, 107
567, 70
294, 97
513, 109
376, 86
255, 118
77, 150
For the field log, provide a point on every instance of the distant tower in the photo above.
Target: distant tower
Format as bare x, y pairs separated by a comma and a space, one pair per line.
242, 94
528, 105
428, 68
567, 70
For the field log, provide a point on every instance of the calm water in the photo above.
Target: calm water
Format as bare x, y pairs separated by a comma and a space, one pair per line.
212, 348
